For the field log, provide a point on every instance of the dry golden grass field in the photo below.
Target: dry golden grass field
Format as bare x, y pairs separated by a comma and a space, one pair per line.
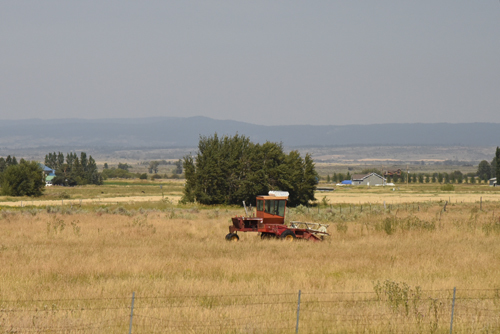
73, 268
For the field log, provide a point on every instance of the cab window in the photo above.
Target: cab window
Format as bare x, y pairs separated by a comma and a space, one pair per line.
260, 205
281, 208
269, 205
275, 207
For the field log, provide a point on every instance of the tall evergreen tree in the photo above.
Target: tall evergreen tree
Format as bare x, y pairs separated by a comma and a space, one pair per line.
341, 177
484, 170
497, 169
452, 178
178, 167
446, 177
190, 174
60, 159
83, 160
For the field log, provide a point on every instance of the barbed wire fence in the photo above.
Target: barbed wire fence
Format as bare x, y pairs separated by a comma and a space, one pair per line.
392, 307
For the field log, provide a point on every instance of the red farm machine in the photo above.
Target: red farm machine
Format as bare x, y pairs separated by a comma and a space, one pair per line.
270, 221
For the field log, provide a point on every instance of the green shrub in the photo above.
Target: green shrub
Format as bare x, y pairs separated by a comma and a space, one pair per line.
411, 223
23, 179
400, 297
117, 173
342, 227
447, 187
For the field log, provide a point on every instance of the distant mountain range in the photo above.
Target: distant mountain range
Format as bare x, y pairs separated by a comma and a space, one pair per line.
185, 132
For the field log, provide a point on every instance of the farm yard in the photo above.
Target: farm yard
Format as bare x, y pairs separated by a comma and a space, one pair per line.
71, 266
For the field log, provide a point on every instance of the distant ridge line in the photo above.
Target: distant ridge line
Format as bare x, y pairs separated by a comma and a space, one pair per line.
185, 132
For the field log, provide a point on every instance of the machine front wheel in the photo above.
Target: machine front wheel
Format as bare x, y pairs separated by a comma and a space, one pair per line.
232, 237
288, 236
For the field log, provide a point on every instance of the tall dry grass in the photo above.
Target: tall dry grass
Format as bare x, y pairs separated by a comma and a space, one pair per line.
75, 269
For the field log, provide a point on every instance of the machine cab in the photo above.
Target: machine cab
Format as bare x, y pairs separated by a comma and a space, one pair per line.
271, 208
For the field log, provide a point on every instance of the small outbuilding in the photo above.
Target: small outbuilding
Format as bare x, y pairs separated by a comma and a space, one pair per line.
493, 182
372, 179
48, 174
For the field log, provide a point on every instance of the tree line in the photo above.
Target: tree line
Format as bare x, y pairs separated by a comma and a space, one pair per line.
72, 170
453, 177
229, 170
122, 170
485, 171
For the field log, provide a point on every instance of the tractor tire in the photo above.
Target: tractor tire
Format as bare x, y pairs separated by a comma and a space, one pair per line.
232, 237
288, 236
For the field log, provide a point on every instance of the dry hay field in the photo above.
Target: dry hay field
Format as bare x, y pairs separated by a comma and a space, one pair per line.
413, 193
74, 268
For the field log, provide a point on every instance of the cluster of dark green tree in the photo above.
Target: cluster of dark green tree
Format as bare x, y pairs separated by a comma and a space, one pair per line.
122, 171
6, 162
71, 170
21, 179
486, 170
153, 167
229, 170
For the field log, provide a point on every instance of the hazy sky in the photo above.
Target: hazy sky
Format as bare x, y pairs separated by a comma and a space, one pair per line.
264, 62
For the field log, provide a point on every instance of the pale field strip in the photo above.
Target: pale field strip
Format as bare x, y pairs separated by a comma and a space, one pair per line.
398, 198
105, 200
332, 198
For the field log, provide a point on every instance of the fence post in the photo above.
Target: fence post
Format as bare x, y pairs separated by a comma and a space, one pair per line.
481, 204
298, 315
452, 309
131, 313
